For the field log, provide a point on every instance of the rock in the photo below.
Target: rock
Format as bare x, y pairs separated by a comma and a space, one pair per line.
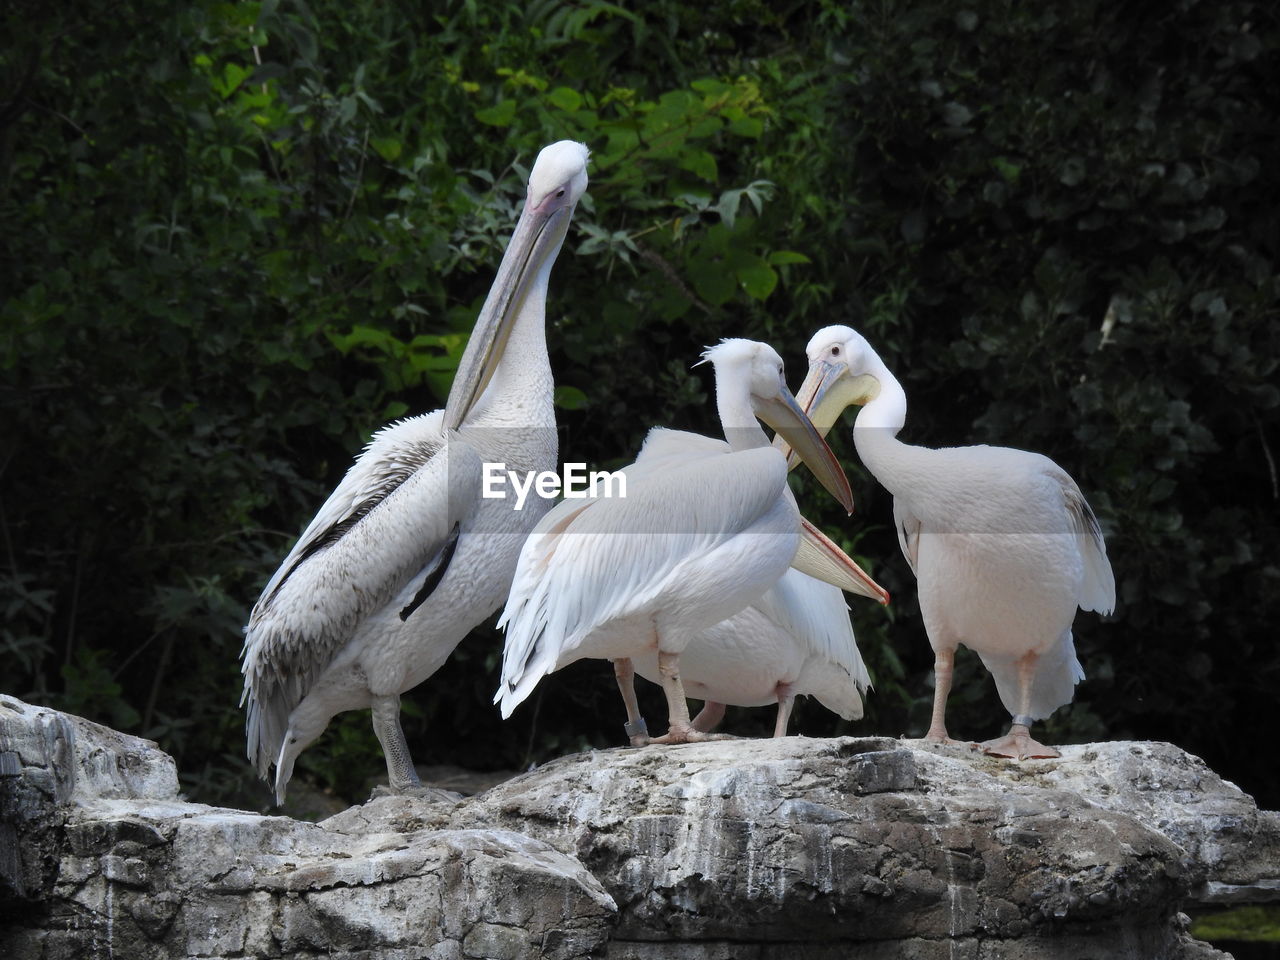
1230, 846
466, 782
746, 849
113, 864
50, 760
918, 848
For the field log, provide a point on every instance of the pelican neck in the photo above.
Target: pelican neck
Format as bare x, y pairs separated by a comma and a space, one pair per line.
737, 417
522, 383
875, 434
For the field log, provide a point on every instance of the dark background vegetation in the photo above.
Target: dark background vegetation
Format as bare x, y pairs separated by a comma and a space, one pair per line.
237, 238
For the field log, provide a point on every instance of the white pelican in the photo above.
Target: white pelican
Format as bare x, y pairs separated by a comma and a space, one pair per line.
795, 640
1002, 542
406, 557
689, 545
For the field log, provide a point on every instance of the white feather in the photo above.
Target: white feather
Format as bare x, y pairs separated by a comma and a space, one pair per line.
1002, 542
797, 635
593, 570
406, 556
704, 530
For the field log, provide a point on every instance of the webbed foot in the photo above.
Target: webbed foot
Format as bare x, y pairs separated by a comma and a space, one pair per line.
1018, 744
688, 734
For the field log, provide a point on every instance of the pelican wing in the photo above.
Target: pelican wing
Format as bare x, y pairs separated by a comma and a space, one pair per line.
815, 613
662, 444
591, 562
665, 449
388, 530
1099, 589
390, 458
908, 526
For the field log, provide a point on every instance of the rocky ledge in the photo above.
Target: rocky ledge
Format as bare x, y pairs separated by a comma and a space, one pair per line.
752, 849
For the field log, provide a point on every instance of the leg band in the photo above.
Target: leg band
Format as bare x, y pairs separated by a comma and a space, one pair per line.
637, 729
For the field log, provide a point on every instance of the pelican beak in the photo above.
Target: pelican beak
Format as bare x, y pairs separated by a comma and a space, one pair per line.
536, 239
786, 416
821, 559
823, 396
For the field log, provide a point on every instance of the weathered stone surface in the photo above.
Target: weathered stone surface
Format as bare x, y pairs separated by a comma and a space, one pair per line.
135, 872
830, 841
1228, 842
49, 760
755, 850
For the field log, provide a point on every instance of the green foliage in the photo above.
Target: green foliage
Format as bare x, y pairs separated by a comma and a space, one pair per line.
1250, 924
240, 237
1066, 256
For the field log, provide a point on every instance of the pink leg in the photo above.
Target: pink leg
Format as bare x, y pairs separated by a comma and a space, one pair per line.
786, 700
680, 729
1017, 743
943, 667
625, 674
709, 716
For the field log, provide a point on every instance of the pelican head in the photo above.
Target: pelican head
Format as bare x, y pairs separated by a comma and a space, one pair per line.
760, 369
843, 370
304, 729
556, 183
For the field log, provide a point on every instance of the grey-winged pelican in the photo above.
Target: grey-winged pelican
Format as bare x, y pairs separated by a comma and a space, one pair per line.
795, 640
406, 556
691, 543
1002, 542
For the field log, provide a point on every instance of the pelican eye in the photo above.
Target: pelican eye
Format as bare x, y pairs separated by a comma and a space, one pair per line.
560, 192
835, 351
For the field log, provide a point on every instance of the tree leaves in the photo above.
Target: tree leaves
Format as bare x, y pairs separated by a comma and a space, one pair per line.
501, 114
247, 235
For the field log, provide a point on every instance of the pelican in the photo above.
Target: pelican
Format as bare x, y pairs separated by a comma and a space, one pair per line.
1002, 542
406, 556
691, 544
795, 640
